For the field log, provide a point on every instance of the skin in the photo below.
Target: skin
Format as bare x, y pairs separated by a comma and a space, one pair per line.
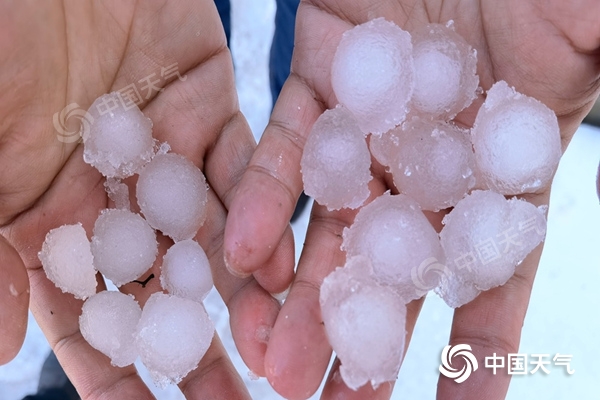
53, 54
548, 50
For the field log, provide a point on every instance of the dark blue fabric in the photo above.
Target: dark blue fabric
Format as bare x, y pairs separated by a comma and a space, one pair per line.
224, 9
283, 45
54, 394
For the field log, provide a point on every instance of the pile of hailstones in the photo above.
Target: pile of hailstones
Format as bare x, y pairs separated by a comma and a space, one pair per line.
173, 331
403, 91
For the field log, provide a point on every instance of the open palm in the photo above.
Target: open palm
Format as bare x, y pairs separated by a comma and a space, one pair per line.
547, 50
53, 55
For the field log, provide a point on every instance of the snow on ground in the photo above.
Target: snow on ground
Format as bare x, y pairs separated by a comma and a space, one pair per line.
562, 316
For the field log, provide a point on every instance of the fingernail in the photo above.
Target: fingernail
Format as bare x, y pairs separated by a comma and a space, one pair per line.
237, 274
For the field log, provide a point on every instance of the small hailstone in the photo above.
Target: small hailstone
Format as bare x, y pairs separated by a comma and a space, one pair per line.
431, 162
186, 271
365, 324
335, 162
445, 72
68, 262
373, 74
119, 141
107, 322
172, 336
485, 237
401, 244
172, 194
124, 245
517, 142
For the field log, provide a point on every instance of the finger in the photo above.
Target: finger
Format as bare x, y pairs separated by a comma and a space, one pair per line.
267, 194
298, 351
215, 378
490, 324
335, 388
14, 301
252, 310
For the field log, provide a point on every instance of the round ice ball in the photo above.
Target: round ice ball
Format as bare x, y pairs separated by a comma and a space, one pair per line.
186, 271
445, 72
124, 245
67, 260
486, 236
373, 74
431, 162
119, 139
107, 322
172, 195
517, 142
403, 247
365, 324
172, 336
336, 161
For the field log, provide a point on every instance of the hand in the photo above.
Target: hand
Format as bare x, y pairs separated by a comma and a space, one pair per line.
549, 52
54, 55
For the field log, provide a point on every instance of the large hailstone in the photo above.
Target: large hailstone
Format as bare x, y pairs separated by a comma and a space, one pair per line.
172, 194
119, 140
485, 237
401, 244
124, 245
336, 161
67, 260
373, 74
365, 324
445, 72
517, 142
172, 336
186, 271
431, 162
107, 322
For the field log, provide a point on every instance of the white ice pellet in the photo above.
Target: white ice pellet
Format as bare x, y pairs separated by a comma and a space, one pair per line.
400, 243
365, 324
431, 162
172, 336
517, 142
67, 260
119, 141
445, 72
172, 194
335, 162
373, 74
108, 321
185, 271
485, 237
124, 245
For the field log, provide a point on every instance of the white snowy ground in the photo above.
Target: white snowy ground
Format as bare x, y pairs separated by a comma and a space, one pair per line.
563, 313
